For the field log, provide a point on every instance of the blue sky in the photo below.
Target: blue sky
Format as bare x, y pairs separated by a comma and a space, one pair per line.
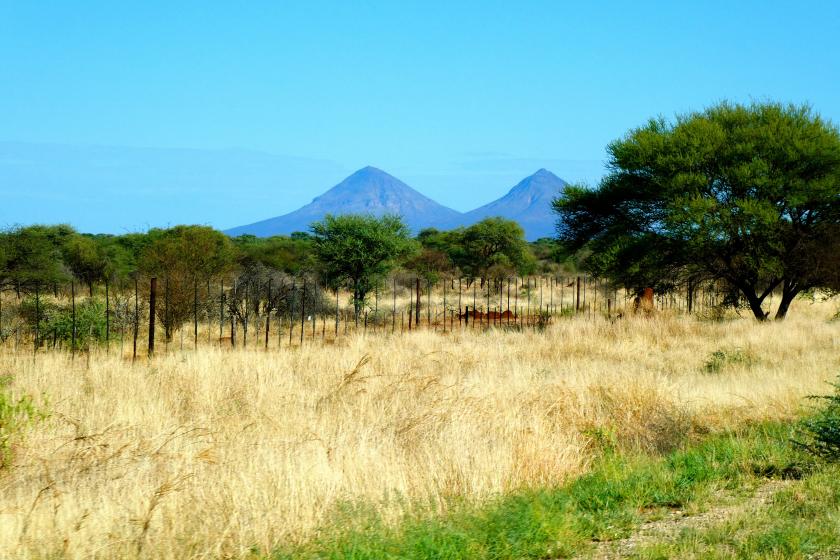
117, 116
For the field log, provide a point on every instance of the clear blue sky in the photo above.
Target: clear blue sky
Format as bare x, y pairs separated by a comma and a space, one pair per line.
247, 110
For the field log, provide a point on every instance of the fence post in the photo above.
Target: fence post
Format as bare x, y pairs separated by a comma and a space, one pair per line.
195, 312
551, 282
429, 303
474, 290
508, 300
37, 317
107, 320
73, 332
291, 312
152, 302
394, 309
528, 302
245, 316
302, 310
315, 309
459, 301
166, 324
268, 314
577, 303
417, 306
221, 310
336, 312
444, 306
136, 318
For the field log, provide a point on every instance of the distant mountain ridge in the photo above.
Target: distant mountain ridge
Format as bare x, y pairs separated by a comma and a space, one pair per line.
528, 203
373, 191
367, 191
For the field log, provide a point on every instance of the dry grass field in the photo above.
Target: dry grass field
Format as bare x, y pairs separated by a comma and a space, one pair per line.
216, 453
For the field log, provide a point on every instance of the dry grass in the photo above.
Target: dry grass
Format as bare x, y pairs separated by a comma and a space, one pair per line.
207, 454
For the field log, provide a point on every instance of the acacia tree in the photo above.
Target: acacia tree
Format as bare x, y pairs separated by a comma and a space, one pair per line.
493, 247
185, 256
86, 259
360, 249
31, 257
746, 194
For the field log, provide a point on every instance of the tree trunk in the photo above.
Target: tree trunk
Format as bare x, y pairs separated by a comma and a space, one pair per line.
755, 304
789, 292
357, 303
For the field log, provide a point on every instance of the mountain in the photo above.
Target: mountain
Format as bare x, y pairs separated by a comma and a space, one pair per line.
367, 191
528, 203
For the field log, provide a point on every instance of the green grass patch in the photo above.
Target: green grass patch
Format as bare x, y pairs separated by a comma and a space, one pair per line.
802, 521
620, 493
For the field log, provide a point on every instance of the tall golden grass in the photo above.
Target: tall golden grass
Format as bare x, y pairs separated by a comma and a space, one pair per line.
210, 453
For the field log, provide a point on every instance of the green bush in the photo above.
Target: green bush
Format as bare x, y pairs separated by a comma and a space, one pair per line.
719, 359
15, 414
55, 321
822, 431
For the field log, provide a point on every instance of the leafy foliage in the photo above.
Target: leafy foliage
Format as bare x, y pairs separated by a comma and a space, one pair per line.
744, 194
360, 249
15, 414
185, 257
822, 431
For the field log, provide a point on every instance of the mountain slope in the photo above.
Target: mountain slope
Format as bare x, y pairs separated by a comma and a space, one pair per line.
367, 191
528, 203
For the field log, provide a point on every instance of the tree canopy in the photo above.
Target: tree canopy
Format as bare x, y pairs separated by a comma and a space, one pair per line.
360, 249
745, 194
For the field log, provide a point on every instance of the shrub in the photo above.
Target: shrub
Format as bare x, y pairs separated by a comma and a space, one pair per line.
56, 322
15, 414
721, 358
822, 431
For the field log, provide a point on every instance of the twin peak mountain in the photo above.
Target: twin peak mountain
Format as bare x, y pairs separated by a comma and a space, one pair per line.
372, 191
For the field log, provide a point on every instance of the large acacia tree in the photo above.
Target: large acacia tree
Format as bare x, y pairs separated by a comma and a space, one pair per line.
746, 194
360, 249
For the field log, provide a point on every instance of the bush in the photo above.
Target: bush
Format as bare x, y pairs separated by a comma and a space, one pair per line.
55, 321
15, 414
822, 431
719, 359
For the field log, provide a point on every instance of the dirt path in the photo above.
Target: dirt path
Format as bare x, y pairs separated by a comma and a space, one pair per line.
676, 521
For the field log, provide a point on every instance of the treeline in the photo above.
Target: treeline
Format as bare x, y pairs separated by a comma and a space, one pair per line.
198, 267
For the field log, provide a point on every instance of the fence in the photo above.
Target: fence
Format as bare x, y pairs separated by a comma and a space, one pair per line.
291, 312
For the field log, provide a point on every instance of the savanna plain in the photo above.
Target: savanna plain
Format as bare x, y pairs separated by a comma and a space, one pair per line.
578, 439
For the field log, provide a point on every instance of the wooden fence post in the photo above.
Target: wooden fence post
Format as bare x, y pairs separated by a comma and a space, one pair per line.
268, 314
444, 306
73, 332
291, 312
302, 311
107, 320
195, 313
37, 317
429, 304
136, 318
152, 302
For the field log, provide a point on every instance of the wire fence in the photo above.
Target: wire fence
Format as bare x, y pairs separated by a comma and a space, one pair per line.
149, 315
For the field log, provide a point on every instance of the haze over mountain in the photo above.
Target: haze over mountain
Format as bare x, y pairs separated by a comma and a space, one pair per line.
528, 203
367, 191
